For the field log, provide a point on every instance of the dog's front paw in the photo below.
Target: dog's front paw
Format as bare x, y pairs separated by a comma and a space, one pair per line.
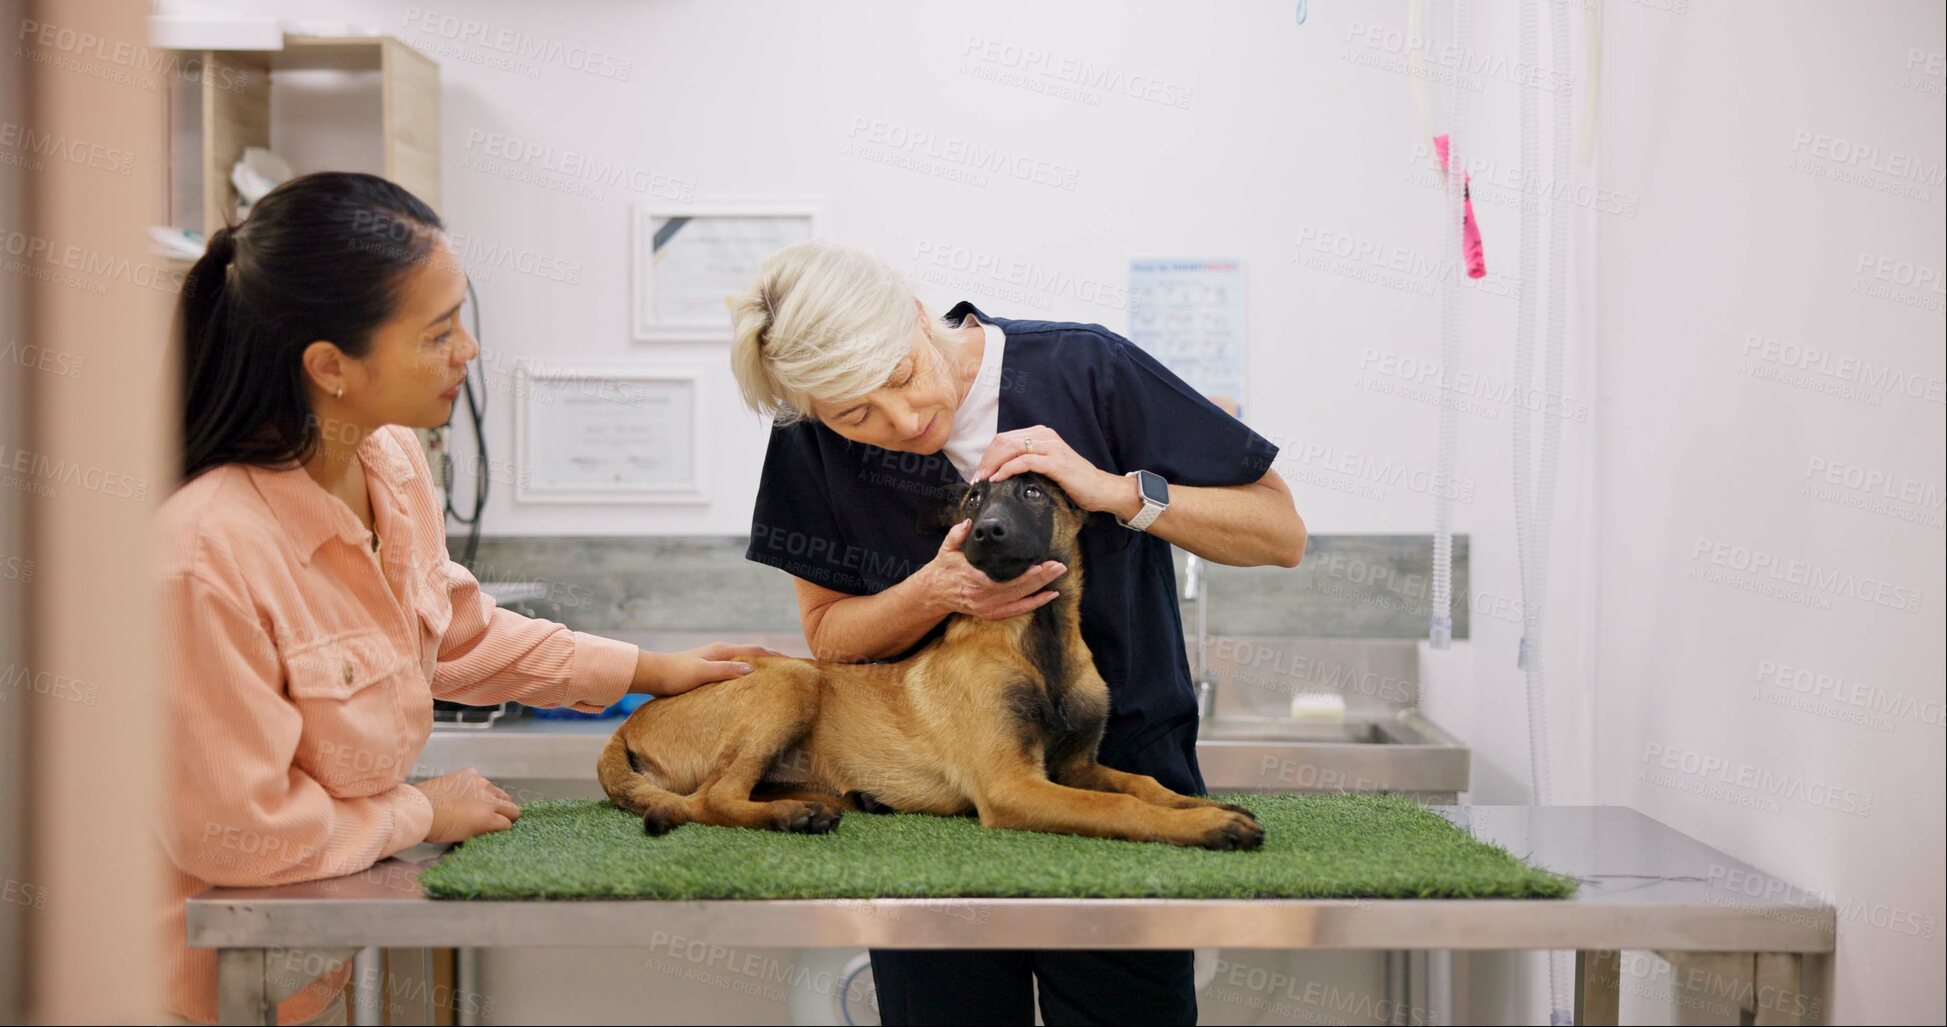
807, 817
1193, 802
1234, 808
1230, 830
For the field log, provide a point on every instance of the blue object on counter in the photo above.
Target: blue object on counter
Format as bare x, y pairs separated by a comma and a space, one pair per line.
621, 709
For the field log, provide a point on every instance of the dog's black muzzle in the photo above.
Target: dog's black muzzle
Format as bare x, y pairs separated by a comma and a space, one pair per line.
1003, 545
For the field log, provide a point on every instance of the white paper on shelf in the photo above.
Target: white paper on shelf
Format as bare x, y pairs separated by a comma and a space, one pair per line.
188, 30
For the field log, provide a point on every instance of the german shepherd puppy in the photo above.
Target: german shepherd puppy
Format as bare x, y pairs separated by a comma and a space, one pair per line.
996, 717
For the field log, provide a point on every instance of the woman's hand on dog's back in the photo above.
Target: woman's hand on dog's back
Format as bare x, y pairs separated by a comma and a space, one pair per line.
955, 586
466, 804
667, 674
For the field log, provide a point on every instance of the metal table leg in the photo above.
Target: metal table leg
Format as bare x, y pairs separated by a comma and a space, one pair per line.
1769, 987
1393, 967
242, 991
368, 989
1780, 994
1598, 987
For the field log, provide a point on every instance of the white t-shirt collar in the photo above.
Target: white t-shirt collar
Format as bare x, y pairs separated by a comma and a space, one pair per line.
978, 419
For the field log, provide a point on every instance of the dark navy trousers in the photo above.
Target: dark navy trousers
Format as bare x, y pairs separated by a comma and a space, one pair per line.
923, 987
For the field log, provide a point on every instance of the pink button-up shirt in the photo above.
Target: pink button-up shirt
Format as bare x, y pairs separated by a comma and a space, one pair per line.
300, 671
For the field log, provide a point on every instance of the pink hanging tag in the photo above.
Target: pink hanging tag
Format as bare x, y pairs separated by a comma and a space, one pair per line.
1470, 234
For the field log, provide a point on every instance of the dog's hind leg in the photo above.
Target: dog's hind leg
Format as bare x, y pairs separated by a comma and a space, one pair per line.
770, 720
770, 792
627, 786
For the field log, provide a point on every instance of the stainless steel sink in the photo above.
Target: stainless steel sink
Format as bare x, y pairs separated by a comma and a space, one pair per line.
1272, 729
1250, 740
1406, 754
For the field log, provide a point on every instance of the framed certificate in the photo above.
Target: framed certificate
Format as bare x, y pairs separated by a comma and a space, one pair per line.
608, 436
690, 261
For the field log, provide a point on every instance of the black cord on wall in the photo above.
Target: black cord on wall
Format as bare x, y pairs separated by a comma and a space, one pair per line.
476, 408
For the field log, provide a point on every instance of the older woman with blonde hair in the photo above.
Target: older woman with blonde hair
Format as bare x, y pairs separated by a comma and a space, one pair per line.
878, 408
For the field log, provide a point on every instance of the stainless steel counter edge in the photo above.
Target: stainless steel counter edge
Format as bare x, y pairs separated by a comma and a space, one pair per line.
1644, 886
994, 923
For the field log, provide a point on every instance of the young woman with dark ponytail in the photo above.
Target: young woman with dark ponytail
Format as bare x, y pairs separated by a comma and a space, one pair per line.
311, 614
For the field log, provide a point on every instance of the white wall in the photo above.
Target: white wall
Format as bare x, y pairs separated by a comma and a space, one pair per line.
1705, 118
1280, 136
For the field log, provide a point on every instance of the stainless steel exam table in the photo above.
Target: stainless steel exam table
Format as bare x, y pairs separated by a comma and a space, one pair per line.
1645, 887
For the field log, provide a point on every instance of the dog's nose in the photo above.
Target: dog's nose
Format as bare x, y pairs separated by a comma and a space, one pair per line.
991, 528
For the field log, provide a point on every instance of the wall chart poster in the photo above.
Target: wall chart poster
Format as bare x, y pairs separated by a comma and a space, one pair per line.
1190, 315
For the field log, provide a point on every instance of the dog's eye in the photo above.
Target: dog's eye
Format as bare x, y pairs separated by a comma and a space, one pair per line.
973, 498
1031, 492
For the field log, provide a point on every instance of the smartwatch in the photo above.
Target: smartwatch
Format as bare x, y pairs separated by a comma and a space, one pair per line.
1156, 498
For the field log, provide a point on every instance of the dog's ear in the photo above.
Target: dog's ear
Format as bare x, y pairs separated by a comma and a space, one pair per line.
1072, 516
943, 513
1062, 494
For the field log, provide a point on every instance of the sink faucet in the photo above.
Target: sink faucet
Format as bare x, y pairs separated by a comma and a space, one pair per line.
1194, 590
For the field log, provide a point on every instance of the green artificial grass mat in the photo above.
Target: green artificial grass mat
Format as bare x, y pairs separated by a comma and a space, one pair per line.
1334, 846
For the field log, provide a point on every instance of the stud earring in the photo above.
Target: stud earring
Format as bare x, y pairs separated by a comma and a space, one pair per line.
341, 392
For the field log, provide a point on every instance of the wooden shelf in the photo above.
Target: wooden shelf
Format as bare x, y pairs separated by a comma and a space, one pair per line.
236, 88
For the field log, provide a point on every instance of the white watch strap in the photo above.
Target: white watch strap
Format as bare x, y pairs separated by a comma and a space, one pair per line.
1150, 510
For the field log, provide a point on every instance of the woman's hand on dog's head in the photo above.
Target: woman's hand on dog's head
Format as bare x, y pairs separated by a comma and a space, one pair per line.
1041, 450
952, 585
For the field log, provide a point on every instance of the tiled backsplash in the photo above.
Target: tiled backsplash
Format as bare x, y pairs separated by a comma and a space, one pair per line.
1348, 586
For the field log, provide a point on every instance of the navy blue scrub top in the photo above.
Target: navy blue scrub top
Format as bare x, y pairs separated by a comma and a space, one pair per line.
845, 516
